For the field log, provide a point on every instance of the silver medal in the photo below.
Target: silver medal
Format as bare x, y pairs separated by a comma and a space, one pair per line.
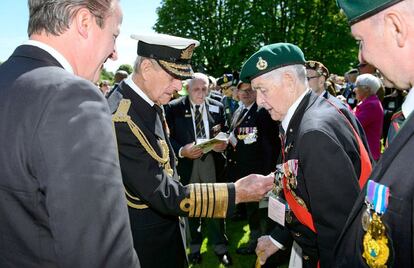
366, 216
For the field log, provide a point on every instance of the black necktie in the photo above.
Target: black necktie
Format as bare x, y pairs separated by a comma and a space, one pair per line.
200, 131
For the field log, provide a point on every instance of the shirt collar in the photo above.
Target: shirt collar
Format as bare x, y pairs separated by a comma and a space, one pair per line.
408, 105
248, 107
53, 52
291, 110
137, 90
193, 104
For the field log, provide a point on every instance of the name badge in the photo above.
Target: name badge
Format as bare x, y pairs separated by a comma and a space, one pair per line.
276, 210
214, 109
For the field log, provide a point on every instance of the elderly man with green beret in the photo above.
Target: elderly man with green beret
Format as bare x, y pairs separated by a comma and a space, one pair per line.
323, 159
379, 230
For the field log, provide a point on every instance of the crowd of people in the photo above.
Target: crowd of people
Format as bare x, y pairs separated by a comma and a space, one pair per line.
282, 142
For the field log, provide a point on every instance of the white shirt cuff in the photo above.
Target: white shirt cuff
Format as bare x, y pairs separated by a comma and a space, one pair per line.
277, 244
179, 153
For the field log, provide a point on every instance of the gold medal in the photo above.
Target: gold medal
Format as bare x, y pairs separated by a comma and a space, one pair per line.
376, 250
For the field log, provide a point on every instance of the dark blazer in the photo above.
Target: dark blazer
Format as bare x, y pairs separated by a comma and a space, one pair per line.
260, 156
394, 169
180, 123
327, 181
62, 201
158, 232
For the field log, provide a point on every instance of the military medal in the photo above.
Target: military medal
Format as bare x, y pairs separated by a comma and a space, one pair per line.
366, 216
290, 169
288, 214
278, 181
375, 241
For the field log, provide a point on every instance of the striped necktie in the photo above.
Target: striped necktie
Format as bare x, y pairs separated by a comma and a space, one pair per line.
200, 131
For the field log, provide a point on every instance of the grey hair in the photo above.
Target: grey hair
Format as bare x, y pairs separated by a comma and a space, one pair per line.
139, 59
298, 70
55, 16
198, 76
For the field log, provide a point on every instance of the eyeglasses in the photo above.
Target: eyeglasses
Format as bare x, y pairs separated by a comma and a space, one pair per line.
311, 77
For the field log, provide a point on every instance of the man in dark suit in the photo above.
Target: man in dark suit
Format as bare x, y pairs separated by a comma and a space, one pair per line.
62, 201
254, 148
192, 120
323, 159
387, 30
155, 196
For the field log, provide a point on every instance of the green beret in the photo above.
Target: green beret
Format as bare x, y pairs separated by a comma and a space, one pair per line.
269, 58
357, 10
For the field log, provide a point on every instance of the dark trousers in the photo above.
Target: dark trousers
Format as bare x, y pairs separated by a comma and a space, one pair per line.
215, 231
157, 239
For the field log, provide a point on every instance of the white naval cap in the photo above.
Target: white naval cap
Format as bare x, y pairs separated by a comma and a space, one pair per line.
165, 40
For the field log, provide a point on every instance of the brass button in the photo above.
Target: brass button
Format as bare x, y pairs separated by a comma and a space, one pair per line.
305, 257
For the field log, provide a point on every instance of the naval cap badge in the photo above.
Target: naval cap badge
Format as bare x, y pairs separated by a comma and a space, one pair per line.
261, 64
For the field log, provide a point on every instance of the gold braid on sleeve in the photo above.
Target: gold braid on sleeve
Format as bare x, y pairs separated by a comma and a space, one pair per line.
208, 200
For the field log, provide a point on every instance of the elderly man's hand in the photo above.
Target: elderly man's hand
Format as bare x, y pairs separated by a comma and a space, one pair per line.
253, 187
265, 248
190, 151
220, 147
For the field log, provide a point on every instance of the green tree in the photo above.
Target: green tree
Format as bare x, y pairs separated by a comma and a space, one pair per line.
231, 30
105, 75
126, 67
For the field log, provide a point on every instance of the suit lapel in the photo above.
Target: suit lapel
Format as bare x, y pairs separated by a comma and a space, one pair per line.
210, 119
188, 121
235, 117
381, 167
143, 112
296, 119
249, 113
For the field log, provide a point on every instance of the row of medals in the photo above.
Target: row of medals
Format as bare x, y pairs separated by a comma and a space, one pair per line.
291, 184
375, 241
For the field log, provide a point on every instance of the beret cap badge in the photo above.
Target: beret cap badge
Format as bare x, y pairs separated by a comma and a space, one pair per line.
261, 64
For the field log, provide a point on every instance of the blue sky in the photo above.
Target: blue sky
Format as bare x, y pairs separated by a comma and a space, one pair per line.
139, 17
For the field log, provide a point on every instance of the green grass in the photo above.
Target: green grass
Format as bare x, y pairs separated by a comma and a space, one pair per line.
238, 234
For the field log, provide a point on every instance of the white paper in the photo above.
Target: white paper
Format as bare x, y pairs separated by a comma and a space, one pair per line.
295, 260
276, 210
207, 145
